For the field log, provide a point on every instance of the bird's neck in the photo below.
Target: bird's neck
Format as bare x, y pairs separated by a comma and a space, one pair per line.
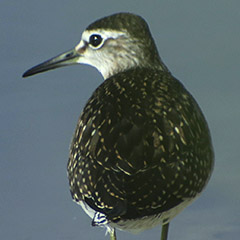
111, 67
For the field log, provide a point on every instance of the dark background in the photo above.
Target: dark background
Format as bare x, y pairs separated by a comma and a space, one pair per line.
197, 40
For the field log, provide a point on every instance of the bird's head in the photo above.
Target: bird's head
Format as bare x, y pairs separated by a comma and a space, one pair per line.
112, 44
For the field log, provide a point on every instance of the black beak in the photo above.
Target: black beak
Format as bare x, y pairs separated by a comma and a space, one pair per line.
68, 58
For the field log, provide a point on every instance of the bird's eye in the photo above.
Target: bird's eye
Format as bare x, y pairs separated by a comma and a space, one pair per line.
95, 40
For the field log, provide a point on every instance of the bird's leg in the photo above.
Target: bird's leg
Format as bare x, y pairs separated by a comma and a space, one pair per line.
164, 233
112, 234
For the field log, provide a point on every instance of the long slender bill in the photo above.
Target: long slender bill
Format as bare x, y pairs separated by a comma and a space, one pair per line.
64, 59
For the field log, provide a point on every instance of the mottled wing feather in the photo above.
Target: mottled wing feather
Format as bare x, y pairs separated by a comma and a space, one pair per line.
133, 151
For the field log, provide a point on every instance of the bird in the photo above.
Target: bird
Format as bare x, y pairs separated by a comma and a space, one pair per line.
142, 148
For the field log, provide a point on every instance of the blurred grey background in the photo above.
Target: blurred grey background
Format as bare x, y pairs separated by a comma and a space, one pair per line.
198, 41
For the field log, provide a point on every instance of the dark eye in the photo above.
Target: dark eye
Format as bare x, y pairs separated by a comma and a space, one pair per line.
95, 40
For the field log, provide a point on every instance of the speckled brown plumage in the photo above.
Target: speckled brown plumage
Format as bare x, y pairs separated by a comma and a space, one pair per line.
141, 146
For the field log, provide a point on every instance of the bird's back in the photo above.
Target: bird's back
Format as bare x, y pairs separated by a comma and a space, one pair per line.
141, 146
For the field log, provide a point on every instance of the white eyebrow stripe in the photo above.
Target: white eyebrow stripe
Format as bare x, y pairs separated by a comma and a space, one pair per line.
105, 34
